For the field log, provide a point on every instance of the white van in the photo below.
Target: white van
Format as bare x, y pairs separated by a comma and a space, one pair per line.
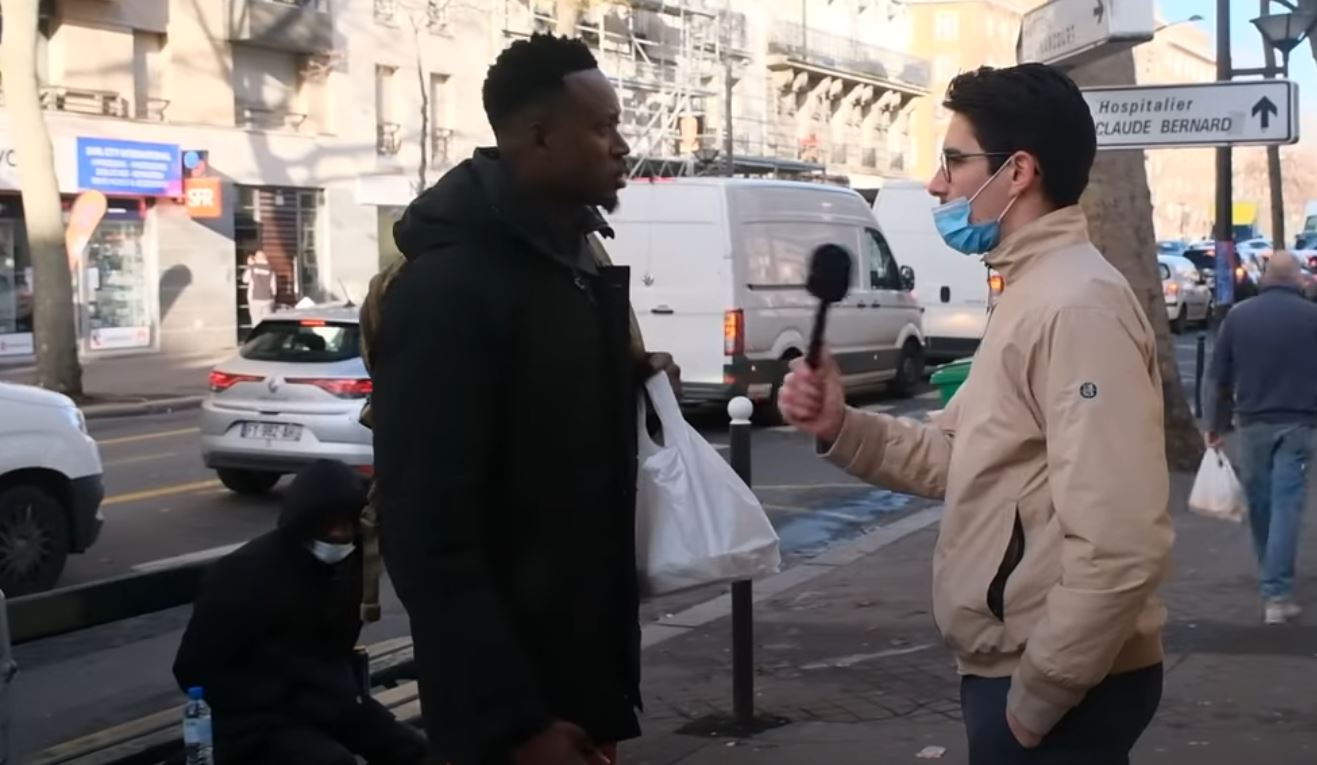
953, 287
50, 487
718, 268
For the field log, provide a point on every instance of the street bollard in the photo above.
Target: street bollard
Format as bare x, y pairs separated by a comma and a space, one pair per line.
743, 649
1200, 359
7, 671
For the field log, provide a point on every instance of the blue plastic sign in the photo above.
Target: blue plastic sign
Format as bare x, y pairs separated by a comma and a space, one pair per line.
1225, 273
129, 167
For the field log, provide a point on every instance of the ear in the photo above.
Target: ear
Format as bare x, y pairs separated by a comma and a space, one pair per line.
1025, 173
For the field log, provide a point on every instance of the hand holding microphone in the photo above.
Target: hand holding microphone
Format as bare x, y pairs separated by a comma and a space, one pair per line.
812, 397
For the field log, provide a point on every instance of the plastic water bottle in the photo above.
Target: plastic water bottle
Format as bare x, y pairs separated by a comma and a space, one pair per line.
196, 729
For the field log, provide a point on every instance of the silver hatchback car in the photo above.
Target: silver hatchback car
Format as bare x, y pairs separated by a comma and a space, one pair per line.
291, 396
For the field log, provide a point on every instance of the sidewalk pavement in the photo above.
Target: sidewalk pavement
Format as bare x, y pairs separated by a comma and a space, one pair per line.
852, 660
136, 384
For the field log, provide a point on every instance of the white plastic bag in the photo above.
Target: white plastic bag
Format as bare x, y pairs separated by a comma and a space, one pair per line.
697, 522
1216, 492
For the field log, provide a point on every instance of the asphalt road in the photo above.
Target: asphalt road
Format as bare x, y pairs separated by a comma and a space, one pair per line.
162, 503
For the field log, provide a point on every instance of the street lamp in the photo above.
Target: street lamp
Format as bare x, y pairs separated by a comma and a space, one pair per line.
1284, 32
1170, 24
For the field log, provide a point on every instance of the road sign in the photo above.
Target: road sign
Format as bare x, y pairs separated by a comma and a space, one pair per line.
1244, 112
1073, 32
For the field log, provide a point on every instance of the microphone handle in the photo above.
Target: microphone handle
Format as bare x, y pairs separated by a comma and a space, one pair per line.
816, 335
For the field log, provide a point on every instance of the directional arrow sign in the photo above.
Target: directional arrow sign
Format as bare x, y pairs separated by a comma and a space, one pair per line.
1253, 112
1072, 32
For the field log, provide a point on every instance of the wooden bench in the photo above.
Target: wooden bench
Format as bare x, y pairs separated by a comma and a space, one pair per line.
157, 738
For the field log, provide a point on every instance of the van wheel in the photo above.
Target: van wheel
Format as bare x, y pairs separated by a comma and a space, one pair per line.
1181, 321
909, 371
34, 540
249, 482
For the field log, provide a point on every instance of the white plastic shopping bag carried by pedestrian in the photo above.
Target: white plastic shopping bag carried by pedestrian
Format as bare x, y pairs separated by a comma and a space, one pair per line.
697, 522
1216, 492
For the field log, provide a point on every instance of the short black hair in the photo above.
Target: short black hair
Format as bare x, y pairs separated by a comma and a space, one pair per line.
1034, 108
531, 71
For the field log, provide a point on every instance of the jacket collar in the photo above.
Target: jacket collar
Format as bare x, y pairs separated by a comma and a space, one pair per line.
1059, 229
1279, 288
511, 205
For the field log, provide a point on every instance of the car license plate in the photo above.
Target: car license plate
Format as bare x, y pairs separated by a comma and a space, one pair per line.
271, 431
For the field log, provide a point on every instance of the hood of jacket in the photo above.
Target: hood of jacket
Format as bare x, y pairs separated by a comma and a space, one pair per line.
324, 490
480, 198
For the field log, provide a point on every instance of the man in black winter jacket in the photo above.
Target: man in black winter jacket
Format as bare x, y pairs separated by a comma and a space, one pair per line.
272, 640
506, 383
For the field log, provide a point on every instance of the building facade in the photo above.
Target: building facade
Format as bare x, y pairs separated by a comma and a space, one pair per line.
216, 128
302, 128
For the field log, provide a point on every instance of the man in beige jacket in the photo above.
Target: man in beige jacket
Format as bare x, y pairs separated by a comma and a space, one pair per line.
1050, 458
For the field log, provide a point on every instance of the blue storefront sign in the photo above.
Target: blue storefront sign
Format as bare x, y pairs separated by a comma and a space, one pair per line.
129, 167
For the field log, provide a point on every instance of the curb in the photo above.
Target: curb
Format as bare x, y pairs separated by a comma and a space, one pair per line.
681, 623
138, 408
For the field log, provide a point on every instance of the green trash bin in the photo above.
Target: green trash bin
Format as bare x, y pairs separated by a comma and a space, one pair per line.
949, 377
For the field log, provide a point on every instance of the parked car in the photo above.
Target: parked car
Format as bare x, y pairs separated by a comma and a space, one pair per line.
291, 396
718, 272
51, 487
1171, 247
1188, 298
1255, 248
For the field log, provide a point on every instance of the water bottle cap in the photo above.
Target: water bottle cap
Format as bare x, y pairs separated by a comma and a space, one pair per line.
195, 693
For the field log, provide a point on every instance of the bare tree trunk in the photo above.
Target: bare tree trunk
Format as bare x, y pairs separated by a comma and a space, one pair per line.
1119, 208
568, 16
423, 171
56, 337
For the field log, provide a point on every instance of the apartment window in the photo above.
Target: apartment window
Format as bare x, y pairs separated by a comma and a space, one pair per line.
265, 88
441, 131
946, 26
388, 137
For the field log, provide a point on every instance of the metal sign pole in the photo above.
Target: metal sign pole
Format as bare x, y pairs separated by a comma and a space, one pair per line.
743, 624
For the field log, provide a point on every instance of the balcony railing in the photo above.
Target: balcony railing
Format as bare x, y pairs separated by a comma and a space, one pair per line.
388, 138
266, 118
847, 54
386, 11
441, 140
103, 103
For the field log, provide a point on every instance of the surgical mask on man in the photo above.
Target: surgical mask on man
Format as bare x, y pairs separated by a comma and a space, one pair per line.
329, 553
953, 222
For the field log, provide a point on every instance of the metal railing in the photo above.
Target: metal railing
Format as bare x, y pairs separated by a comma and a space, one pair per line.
844, 54
388, 138
105, 103
441, 140
265, 118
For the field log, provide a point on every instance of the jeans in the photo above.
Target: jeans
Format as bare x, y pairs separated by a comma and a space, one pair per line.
1100, 731
1274, 470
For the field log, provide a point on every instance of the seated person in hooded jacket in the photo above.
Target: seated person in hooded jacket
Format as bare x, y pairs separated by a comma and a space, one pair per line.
273, 634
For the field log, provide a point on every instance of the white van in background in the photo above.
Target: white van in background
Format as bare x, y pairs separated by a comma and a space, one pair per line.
718, 271
953, 287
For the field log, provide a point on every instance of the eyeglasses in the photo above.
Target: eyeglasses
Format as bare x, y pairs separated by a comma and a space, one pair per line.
951, 159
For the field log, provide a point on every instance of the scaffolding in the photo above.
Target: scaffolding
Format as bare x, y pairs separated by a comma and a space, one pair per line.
668, 60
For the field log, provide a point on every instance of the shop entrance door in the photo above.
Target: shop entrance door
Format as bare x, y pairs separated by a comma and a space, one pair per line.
281, 222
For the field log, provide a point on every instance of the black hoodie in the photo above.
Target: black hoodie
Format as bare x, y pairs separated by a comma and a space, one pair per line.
273, 633
505, 415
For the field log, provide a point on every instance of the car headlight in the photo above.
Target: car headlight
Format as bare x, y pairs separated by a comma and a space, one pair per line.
76, 418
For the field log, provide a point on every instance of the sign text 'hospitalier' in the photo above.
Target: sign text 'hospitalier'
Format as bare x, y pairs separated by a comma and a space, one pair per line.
1254, 112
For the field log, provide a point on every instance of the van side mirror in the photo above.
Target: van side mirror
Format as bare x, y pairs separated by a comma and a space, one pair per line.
907, 278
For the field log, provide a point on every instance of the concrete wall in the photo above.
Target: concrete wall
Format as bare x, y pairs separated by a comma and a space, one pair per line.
196, 287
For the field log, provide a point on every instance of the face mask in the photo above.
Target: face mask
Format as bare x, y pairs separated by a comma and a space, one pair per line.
329, 553
953, 222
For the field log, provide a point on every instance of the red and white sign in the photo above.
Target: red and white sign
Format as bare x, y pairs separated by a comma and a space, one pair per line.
204, 197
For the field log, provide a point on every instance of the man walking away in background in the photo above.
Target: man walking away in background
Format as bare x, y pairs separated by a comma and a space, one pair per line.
506, 381
1051, 456
262, 287
273, 635
1265, 370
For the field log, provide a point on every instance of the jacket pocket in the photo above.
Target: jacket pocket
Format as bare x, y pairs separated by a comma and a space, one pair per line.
1010, 561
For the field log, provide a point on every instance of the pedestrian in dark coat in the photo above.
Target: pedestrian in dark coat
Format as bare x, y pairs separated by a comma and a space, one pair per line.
273, 635
506, 380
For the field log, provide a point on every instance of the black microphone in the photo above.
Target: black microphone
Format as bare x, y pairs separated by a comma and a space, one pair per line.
829, 281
